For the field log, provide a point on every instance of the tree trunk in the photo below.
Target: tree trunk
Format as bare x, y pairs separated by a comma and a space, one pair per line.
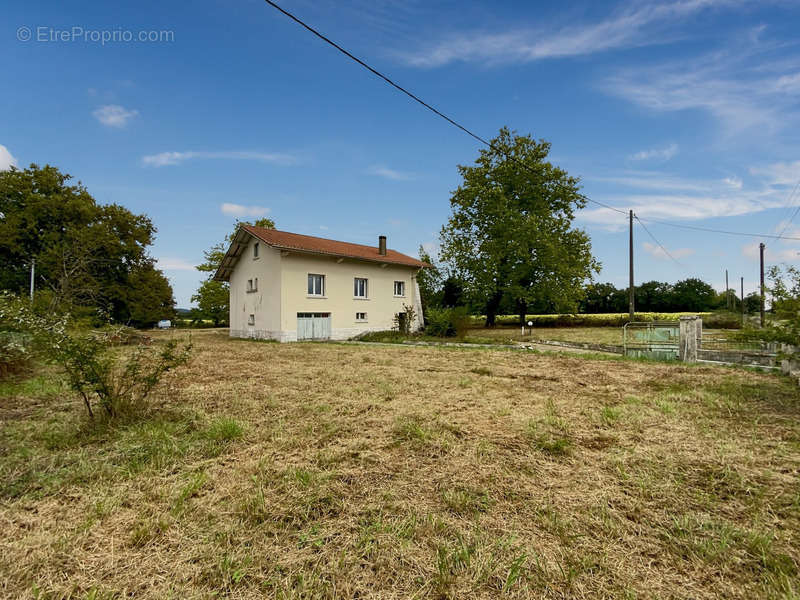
492, 307
522, 309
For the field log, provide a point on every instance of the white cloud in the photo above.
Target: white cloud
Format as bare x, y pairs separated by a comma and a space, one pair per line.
659, 252
662, 154
323, 227
241, 210
749, 87
780, 173
174, 264
771, 254
388, 173
6, 159
733, 182
660, 196
175, 158
113, 115
637, 26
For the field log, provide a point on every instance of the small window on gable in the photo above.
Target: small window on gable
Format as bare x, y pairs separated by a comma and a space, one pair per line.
255, 250
362, 316
360, 287
249, 285
251, 320
399, 288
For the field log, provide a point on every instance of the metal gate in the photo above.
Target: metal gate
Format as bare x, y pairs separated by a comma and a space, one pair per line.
656, 339
313, 326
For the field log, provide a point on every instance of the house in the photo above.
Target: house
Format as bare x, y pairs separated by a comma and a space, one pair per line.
286, 286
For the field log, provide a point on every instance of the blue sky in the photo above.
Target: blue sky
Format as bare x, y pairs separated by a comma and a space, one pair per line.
685, 111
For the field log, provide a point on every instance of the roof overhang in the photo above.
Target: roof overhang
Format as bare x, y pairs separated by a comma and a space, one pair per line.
240, 241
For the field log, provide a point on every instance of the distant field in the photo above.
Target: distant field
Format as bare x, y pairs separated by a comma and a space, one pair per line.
340, 471
594, 335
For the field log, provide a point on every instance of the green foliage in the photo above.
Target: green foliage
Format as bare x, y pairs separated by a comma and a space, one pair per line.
15, 353
95, 366
447, 322
403, 321
87, 254
688, 295
429, 282
784, 326
510, 235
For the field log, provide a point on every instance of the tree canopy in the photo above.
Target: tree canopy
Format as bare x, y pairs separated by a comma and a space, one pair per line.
510, 235
88, 255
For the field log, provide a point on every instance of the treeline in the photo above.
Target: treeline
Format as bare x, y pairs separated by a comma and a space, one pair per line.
688, 295
90, 260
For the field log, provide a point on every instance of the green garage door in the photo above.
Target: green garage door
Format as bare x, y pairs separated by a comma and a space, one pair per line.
313, 326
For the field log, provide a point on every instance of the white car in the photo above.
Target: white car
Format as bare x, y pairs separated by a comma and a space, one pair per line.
164, 324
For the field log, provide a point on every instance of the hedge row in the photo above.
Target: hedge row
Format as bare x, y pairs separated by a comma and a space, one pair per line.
714, 320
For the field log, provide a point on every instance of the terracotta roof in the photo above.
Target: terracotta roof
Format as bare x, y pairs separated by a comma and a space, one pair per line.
285, 240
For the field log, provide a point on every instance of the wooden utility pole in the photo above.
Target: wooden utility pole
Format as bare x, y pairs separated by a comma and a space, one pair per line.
761, 249
630, 282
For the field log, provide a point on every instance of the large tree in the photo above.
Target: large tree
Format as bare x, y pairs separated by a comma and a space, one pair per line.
213, 297
511, 236
87, 255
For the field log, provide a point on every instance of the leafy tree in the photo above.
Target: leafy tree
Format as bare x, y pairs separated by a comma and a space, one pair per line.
453, 293
87, 255
693, 295
213, 297
429, 282
510, 234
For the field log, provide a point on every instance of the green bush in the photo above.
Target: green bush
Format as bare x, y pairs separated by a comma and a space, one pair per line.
15, 353
104, 374
447, 322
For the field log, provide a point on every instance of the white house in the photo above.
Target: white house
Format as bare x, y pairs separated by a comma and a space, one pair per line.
286, 286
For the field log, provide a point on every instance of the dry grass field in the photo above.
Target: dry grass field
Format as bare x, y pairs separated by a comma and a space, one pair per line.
356, 471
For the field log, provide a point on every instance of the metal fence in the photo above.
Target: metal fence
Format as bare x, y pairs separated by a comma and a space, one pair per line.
654, 339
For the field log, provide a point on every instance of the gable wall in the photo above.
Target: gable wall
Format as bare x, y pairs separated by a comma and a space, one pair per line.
265, 303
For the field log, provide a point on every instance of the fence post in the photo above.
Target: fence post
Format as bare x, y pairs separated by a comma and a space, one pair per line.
687, 339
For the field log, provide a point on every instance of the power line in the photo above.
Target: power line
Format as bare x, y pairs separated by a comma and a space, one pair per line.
711, 230
419, 100
659, 244
484, 141
794, 214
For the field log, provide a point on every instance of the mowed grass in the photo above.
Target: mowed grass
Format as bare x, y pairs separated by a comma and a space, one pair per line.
342, 471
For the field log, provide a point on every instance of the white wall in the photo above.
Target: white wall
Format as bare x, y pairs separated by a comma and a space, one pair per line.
265, 302
381, 305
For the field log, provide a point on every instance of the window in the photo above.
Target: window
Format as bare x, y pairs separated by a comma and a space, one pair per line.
399, 288
316, 285
251, 320
255, 250
252, 285
360, 287
361, 316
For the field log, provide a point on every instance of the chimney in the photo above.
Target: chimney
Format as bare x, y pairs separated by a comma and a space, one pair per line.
382, 245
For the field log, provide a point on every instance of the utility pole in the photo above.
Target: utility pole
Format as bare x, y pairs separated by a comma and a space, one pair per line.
33, 272
742, 283
727, 292
761, 249
630, 284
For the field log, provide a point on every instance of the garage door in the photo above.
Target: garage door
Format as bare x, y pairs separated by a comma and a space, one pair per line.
313, 326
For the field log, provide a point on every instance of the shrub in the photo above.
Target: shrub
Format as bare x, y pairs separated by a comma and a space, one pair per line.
447, 322
404, 320
119, 381
15, 353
